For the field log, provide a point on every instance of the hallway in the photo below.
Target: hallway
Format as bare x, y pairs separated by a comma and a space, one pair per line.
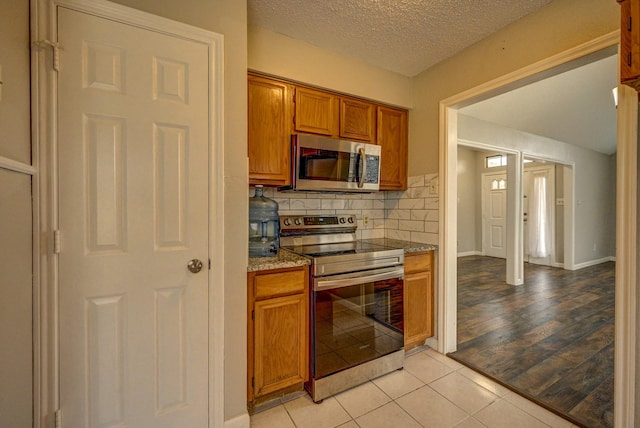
550, 339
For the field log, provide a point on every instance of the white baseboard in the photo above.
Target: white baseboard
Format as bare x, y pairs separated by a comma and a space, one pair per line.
470, 253
594, 262
240, 421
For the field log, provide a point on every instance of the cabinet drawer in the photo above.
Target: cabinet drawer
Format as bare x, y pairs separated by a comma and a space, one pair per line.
417, 262
279, 283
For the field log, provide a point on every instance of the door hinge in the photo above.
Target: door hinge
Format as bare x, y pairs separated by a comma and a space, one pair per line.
253, 382
209, 264
56, 242
58, 418
253, 315
55, 48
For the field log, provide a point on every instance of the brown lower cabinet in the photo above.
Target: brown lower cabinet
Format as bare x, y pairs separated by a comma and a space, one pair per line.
418, 298
277, 334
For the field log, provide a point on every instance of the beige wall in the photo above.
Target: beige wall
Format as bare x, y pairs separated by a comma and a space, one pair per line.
16, 373
227, 17
283, 56
469, 188
15, 111
560, 25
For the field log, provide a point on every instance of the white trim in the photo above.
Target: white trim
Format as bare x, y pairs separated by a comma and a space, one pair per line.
44, 112
488, 148
38, 381
216, 235
593, 262
585, 53
141, 19
45, 143
446, 289
15, 166
626, 334
626, 233
470, 253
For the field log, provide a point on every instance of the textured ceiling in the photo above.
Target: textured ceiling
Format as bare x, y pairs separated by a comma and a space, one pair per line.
404, 36
409, 36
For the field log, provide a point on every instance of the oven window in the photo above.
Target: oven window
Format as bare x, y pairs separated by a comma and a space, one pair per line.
327, 165
356, 324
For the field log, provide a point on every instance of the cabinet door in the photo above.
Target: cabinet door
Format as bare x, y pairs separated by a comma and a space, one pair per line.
280, 335
357, 120
418, 299
270, 126
316, 112
392, 136
630, 42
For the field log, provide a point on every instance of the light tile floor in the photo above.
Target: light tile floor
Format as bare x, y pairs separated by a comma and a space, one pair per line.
432, 391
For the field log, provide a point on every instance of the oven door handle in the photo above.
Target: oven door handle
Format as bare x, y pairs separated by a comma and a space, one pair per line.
359, 278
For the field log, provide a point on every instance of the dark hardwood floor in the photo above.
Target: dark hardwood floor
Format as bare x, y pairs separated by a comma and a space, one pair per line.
550, 339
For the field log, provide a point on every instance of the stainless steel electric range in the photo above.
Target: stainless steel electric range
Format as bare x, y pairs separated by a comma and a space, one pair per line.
356, 302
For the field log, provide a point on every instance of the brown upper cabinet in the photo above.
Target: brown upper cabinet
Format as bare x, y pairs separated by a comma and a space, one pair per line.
357, 119
392, 136
630, 43
270, 127
316, 112
275, 113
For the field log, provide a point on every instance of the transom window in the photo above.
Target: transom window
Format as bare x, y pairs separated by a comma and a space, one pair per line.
495, 161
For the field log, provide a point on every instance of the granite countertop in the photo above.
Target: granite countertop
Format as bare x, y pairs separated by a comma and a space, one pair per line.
407, 246
284, 259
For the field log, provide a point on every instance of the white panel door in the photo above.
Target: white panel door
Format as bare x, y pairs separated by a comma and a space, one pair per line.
133, 211
495, 215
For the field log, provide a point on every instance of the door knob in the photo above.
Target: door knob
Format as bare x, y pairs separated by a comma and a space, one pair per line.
194, 265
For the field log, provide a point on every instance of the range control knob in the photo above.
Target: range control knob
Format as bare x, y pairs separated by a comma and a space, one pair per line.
350, 219
287, 222
297, 222
341, 220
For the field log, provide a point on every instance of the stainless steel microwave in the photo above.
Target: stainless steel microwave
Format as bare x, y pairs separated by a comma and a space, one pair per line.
324, 164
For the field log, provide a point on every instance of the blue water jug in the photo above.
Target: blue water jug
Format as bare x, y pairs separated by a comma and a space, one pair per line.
264, 225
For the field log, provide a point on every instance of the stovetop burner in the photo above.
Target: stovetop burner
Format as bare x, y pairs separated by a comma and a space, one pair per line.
323, 250
330, 241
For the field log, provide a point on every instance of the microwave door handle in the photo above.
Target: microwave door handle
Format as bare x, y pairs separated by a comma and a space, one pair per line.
324, 284
363, 167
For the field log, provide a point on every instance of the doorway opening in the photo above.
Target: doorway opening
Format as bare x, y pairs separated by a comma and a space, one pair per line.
450, 123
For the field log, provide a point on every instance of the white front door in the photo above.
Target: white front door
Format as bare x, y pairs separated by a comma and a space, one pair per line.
494, 215
133, 137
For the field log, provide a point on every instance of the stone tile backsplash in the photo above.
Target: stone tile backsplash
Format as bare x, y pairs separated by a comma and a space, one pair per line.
410, 215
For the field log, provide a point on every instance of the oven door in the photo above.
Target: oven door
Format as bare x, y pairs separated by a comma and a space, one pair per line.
356, 317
